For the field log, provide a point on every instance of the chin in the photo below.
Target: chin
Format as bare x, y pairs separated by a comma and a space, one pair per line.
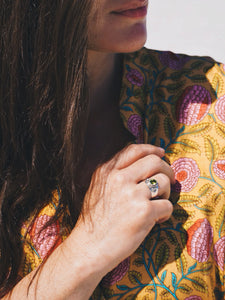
132, 46
132, 40
135, 39
122, 41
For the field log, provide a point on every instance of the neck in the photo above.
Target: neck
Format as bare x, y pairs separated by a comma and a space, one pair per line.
104, 72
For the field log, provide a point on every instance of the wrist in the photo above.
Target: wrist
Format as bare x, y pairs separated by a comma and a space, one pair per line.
86, 263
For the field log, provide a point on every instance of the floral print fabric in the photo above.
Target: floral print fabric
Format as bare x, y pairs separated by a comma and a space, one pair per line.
176, 102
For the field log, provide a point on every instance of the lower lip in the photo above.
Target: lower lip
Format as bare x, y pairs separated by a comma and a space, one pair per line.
134, 13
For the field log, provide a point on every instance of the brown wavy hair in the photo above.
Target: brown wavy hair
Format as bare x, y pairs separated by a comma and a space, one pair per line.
43, 103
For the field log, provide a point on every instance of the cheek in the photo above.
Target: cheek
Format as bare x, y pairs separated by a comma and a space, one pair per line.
117, 37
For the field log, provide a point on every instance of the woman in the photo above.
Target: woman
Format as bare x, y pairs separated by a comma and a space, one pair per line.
73, 192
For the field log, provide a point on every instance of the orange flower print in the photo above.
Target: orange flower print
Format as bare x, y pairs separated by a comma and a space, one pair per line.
200, 236
186, 174
193, 105
220, 108
45, 240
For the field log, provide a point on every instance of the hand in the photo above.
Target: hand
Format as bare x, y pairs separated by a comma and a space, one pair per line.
117, 212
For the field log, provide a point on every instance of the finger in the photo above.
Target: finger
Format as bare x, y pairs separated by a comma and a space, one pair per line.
161, 210
134, 152
163, 190
148, 166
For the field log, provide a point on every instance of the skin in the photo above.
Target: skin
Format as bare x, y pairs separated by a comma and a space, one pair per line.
102, 238
110, 33
113, 32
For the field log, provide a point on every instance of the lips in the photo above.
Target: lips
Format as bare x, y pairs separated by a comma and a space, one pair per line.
133, 10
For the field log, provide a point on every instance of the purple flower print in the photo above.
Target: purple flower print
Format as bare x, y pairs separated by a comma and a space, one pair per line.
219, 252
193, 298
200, 236
220, 108
219, 168
172, 60
193, 105
116, 274
186, 173
135, 77
135, 126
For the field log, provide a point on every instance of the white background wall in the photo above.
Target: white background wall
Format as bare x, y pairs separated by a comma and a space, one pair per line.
188, 26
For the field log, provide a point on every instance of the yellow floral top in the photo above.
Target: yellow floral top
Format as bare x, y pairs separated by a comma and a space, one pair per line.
176, 102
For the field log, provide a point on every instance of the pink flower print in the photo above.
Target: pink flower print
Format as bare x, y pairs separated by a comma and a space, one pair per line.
116, 274
135, 126
219, 252
200, 236
219, 168
172, 60
45, 240
220, 108
193, 298
186, 173
193, 105
135, 77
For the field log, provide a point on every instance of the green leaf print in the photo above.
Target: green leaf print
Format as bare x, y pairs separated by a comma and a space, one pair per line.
185, 289
162, 255
198, 78
180, 258
220, 130
153, 124
205, 190
207, 267
162, 109
189, 146
220, 222
180, 214
108, 292
130, 297
197, 65
173, 87
134, 277
138, 262
169, 128
199, 128
159, 94
176, 76
199, 284
171, 237
145, 60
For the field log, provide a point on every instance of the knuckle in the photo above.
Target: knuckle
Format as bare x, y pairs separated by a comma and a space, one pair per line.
118, 178
156, 160
134, 149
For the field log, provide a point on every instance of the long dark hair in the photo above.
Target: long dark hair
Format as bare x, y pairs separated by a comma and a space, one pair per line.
43, 103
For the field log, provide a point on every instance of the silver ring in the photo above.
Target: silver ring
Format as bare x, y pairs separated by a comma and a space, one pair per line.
153, 186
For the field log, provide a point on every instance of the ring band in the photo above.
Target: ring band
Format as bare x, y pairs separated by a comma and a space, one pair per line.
153, 186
